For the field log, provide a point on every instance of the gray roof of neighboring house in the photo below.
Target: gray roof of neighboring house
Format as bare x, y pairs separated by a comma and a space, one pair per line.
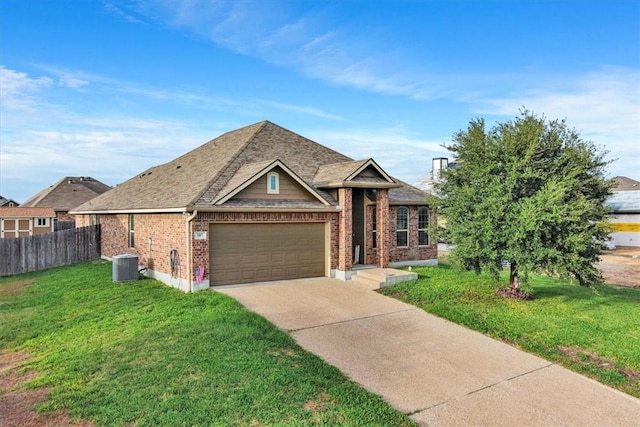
625, 184
625, 197
200, 177
4, 201
68, 193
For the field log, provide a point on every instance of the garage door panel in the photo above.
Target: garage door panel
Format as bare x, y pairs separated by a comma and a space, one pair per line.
244, 253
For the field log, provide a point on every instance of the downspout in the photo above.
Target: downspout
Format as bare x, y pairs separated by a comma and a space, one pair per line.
188, 237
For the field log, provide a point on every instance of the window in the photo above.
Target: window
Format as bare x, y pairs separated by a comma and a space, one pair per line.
132, 240
374, 228
423, 226
42, 222
273, 183
402, 227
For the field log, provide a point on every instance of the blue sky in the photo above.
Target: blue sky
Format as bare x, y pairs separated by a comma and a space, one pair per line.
109, 88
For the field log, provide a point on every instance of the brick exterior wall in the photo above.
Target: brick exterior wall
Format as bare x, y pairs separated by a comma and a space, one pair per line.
64, 216
168, 232
413, 252
81, 220
384, 243
345, 231
204, 219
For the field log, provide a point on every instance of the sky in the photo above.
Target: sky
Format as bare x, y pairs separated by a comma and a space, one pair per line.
110, 88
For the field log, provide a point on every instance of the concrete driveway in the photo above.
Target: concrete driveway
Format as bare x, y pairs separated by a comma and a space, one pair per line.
437, 372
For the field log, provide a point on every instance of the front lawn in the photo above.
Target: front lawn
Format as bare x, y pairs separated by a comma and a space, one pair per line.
594, 331
141, 353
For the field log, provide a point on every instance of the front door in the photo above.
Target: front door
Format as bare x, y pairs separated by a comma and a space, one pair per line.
358, 226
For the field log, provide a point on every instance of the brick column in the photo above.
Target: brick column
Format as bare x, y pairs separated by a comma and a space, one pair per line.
384, 237
345, 230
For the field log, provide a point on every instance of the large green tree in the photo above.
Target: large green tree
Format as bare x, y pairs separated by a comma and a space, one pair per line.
529, 192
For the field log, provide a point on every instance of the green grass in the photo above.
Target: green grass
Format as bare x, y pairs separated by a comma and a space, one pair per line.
142, 353
594, 331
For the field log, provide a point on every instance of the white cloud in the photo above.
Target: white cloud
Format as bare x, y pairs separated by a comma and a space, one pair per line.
72, 82
603, 105
18, 89
308, 41
44, 137
395, 149
113, 9
301, 109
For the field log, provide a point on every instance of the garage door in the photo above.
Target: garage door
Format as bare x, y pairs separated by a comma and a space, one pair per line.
244, 253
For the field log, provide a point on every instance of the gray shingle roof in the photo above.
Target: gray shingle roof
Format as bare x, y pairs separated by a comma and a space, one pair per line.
337, 171
68, 193
202, 176
243, 174
625, 184
5, 202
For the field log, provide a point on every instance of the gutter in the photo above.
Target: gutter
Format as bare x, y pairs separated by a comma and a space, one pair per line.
188, 241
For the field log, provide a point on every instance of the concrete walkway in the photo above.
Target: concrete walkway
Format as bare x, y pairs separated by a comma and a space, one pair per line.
437, 372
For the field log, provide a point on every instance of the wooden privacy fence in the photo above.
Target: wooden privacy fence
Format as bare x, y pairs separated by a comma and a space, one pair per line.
33, 253
64, 225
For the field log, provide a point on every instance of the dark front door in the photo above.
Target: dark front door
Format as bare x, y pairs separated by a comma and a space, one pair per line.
358, 225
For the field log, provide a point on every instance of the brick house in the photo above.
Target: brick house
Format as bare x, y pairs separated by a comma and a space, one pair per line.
262, 203
66, 194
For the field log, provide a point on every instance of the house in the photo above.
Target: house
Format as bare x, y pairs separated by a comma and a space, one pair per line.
21, 222
9, 203
427, 182
262, 203
625, 218
66, 194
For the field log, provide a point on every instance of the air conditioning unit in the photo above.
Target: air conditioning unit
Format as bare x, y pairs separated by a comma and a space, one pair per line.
125, 268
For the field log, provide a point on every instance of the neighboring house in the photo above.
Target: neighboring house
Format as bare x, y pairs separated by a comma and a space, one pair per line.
427, 182
625, 219
8, 203
262, 203
66, 194
21, 222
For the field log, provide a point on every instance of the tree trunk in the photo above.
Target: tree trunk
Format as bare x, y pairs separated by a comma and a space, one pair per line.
513, 275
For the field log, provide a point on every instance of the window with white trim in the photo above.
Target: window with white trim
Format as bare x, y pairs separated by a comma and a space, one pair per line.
132, 233
273, 183
42, 222
423, 226
402, 227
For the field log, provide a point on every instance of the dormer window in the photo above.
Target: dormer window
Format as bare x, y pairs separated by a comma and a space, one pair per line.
273, 183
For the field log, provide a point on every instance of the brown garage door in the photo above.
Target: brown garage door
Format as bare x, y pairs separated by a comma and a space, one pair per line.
244, 253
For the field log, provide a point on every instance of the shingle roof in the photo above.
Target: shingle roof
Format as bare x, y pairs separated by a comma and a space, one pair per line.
243, 174
337, 171
26, 212
4, 201
68, 193
625, 184
201, 176
407, 194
